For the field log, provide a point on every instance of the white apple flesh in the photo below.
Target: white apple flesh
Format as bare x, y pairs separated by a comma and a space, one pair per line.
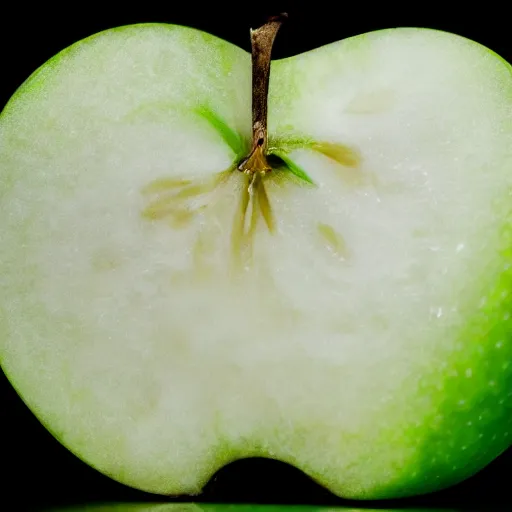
366, 340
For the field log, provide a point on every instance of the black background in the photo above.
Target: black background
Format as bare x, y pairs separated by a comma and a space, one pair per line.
37, 470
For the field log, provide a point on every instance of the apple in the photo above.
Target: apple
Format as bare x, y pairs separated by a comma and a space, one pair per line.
220, 507
324, 278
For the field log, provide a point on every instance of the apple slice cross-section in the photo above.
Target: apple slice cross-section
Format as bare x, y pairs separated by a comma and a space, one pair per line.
347, 312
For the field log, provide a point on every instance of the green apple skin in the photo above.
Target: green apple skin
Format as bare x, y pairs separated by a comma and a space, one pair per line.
379, 366
221, 507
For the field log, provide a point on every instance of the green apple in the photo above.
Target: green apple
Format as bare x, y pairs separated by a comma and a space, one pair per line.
343, 305
220, 507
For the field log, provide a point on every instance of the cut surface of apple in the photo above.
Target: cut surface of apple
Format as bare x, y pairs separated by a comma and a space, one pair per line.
353, 320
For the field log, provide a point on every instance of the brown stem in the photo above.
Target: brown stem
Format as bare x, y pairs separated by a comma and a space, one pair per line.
262, 40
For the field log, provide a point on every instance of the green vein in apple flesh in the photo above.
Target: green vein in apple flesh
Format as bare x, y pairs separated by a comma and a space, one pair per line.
383, 371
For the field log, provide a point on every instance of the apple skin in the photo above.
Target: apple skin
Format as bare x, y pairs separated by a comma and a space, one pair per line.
422, 406
221, 507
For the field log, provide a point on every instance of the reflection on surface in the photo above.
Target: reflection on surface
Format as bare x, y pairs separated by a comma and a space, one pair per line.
216, 507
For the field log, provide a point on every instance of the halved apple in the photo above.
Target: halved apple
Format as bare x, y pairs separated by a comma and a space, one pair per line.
347, 311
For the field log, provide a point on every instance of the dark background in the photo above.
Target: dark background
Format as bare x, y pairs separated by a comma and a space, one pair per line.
37, 470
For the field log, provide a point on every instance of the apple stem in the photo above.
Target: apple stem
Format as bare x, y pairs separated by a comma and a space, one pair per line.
262, 41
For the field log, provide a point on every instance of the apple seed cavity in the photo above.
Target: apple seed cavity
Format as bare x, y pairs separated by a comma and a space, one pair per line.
172, 198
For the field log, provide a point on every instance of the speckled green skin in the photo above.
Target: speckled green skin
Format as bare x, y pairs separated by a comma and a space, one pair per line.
448, 414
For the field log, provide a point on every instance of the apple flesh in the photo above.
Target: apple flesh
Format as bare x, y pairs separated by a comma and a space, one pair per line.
365, 338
